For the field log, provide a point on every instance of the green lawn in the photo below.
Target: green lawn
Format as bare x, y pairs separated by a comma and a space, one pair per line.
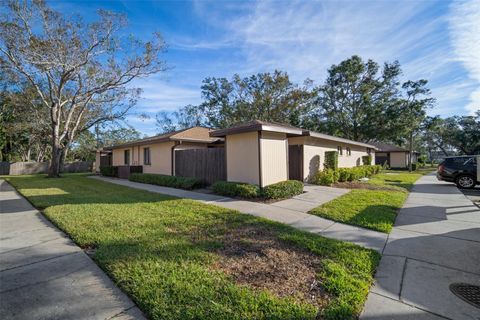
165, 253
372, 209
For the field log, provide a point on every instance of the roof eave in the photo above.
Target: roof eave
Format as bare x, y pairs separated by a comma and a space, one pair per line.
256, 127
338, 139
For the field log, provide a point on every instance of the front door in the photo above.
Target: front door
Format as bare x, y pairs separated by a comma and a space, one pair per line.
295, 162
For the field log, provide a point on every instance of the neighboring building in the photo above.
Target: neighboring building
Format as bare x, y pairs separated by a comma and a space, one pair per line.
396, 157
256, 152
264, 153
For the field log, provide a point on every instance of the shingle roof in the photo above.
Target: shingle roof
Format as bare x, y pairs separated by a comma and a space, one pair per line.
385, 147
258, 125
194, 134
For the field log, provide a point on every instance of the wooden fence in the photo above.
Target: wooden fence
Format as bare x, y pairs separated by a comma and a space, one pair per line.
17, 168
124, 171
205, 164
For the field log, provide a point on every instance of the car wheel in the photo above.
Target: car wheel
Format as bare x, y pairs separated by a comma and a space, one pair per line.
465, 182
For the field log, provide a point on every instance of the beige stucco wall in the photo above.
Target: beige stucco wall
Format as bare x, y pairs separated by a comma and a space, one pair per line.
117, 157
242, 157
314, 154
160, 158
274, 158
398, 159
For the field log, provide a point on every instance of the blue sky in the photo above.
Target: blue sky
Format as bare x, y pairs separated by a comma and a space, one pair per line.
435, 40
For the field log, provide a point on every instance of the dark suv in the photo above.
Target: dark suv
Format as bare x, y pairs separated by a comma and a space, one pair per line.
462, 170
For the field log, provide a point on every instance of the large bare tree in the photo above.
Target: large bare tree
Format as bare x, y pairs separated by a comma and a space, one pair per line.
81, 72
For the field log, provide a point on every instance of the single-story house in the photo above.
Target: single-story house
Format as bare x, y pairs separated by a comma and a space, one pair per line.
264, 153
396, 157
256, 152
156, 154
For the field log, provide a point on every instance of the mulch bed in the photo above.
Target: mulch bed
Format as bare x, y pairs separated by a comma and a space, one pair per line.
256, 258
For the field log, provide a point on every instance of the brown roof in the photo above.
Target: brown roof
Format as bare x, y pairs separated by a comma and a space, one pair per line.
194, 134
386, 147
258, 125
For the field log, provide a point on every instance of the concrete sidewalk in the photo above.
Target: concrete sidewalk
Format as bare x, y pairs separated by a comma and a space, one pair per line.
44, 275
291, 212
435, 242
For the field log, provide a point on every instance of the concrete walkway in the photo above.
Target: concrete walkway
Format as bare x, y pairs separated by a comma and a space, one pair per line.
291, 212
43, 275
435, 242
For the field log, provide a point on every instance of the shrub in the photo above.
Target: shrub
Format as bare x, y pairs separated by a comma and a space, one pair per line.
414, 166
236, 189
166, 181
284, 189
326, 177
349, 174
109, 171
422, 159
331, 160
367, 160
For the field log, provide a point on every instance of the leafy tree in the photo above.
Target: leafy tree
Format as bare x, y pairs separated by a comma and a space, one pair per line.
79, 70
358, 101
435, 135
24, 129
185, 117
264, 96
465, 133
88, 142
416, 101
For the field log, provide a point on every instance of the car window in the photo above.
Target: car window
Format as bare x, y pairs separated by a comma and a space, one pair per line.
460, 161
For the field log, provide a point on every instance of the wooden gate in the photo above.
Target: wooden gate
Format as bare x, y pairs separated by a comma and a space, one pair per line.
295, 162
205, 164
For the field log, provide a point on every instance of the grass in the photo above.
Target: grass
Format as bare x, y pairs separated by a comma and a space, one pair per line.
372, 209
161, 250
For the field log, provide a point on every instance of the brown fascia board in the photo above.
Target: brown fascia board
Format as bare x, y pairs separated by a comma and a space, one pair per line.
256, 127
337, 139
212, 140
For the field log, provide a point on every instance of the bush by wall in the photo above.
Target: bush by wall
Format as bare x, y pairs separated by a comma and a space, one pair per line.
109, 171
414, 166
328, 176
367, 160
422, 159
166, 181
331, 160
282, 190
236, 189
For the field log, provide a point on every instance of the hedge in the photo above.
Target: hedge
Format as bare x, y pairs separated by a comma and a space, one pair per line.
331, 160
328, 176
236, 189
325, 178
367, 160
166, 181
284, 189
109, 171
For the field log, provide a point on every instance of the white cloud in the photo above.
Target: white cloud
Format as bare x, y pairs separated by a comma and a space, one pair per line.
465, 36
305, 38
159, 95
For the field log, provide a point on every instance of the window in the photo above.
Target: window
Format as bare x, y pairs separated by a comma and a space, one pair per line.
126, 157
349, 151
340, 150
146, 155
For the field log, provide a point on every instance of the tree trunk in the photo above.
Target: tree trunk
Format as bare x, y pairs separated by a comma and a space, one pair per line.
410, 149
57, 152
